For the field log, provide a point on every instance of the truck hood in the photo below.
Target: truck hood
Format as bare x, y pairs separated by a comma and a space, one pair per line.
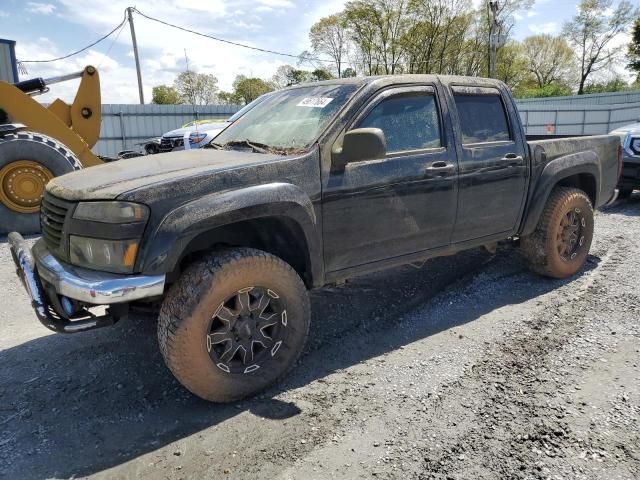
108, 181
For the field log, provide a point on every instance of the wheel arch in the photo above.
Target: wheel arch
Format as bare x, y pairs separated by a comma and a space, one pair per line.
277, 218
580, 170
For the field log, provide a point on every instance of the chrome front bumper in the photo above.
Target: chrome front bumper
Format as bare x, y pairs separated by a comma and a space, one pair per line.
89, 286
49, 282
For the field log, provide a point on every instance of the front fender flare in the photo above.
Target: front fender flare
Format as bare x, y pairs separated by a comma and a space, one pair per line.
165, 245
553, 173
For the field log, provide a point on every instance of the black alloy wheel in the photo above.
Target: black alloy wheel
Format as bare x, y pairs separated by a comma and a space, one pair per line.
246, 329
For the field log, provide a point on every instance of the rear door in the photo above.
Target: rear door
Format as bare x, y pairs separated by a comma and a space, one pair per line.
492, 182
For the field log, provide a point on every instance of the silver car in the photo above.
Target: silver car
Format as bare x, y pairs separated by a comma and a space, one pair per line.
197, 135
630, 177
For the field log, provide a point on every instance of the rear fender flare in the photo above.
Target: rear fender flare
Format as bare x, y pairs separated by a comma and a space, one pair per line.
553, 173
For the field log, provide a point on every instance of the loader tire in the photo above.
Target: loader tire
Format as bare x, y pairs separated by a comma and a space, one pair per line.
559, 245
28, 160
233, 324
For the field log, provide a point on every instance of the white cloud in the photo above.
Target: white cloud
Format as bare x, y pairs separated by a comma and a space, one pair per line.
40, 8
3, 14
547, 27
215, 7
162, 48
277, 3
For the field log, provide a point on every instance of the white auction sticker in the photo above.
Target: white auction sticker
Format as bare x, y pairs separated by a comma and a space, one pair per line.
315, 102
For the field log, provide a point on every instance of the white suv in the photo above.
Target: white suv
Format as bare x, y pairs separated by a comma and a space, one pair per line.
197, 135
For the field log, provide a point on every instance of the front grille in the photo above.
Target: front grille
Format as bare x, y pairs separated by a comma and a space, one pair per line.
169, 143
53, 212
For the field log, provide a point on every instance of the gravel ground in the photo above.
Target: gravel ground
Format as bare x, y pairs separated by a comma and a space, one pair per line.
467, 367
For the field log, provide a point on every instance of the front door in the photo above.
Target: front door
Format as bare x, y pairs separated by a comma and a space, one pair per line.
401, 204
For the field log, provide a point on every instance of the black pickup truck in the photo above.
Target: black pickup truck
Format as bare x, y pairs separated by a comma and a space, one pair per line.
316, 184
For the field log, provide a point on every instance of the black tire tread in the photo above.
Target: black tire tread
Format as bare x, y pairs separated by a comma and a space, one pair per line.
184, 295
29, 136
533, 247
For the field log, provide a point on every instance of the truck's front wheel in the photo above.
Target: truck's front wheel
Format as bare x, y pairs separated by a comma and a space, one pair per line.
560, 243
234, 324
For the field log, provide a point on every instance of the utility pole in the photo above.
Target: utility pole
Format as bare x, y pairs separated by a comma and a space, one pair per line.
494, 27
135, 53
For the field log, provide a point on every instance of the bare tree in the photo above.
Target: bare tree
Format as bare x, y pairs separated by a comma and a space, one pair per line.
549, 59
592, 31
329, 36
503, 21
196, 88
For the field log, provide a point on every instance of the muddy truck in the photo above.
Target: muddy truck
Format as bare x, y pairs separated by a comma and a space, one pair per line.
317, 184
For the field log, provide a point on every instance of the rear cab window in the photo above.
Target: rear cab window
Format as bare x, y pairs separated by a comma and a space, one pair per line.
482, 117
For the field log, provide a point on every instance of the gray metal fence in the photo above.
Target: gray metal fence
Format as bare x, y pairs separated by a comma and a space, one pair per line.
611, 98
124, 127
546, 119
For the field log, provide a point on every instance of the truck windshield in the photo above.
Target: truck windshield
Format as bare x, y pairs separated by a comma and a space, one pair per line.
286, 121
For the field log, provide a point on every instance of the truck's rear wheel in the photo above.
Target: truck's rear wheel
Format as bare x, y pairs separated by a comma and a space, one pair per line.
27, 162
234, 324
560, 243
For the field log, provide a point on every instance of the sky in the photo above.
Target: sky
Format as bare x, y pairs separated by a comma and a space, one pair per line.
51, 28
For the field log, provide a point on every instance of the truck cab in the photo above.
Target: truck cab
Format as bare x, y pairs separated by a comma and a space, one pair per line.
316, 184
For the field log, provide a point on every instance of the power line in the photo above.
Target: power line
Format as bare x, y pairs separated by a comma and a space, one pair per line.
237, 44
184, 29
113, 42
104, 37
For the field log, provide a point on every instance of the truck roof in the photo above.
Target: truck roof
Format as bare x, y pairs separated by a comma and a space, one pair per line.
384, 80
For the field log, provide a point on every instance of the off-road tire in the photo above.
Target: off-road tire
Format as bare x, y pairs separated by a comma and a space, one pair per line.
42, 149
540, 249
188, 309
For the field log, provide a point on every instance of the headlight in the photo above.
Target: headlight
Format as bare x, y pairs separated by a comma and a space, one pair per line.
197, 137
117, 256
635, 145
111, 212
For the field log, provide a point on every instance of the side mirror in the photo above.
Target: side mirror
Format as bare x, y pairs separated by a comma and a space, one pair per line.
358, 145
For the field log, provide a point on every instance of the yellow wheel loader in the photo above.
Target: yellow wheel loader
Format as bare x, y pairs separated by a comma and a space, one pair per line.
38, 143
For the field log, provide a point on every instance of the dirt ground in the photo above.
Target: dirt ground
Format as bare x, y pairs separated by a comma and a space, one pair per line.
467, 367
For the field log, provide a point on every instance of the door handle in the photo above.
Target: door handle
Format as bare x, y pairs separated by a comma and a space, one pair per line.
441, 168
512, 157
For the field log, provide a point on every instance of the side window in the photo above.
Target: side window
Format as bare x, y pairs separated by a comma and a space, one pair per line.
482, 118
409, 121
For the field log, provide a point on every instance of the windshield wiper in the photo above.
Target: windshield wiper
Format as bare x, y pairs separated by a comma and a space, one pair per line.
255, 146
217, 146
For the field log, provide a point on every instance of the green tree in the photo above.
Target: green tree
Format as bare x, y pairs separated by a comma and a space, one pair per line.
196, 88
501, 23
511, 64
329, 37
348, 72
228, 98
590, 33
377, 27
165, 95
282, 77
320, 74
549, 59
247, 89
533, 91
634, 50
616, 84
